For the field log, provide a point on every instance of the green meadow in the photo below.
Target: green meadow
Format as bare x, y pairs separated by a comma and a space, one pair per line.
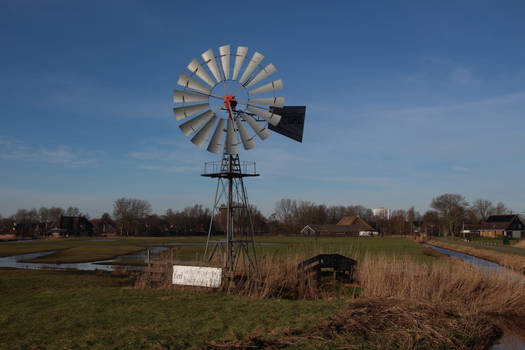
84, 250
94, 310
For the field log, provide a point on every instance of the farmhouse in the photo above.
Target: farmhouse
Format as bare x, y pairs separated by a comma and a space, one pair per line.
471, 230
503, 226
328, 230
347, 226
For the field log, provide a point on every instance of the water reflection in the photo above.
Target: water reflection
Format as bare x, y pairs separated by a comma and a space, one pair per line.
485, 266
21, 261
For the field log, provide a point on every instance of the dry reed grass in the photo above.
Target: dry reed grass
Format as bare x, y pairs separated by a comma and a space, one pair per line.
408, 305
512, 261
278, 276
447, 282
402, 303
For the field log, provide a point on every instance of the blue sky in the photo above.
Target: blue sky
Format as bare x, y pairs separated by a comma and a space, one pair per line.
405, 101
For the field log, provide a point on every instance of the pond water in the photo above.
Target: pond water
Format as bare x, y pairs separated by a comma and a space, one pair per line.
19, 261
485, 266
509, 340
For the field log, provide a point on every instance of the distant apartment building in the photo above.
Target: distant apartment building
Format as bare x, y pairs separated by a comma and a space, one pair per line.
382, 212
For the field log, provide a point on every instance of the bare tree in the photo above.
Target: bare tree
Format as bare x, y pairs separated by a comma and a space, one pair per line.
451, 208
285, 209
359, 210
501, 209
483, 208
55, 213
72, 211
258, 219
411, 217
335, 213
130, 214
431, 222
25, 220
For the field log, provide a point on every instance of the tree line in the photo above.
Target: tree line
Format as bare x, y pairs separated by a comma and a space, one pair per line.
133, 217
448, 214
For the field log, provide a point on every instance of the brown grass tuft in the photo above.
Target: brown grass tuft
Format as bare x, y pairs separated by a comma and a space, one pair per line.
388, 323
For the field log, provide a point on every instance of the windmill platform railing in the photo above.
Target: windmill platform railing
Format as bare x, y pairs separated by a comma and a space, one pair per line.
215, 169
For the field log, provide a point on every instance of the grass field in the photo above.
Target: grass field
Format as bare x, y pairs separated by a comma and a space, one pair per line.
84, 250
56, 310
407, 297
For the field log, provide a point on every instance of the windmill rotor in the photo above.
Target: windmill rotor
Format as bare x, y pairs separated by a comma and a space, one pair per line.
227, 116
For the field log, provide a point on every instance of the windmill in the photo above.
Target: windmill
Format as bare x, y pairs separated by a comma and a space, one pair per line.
221, 104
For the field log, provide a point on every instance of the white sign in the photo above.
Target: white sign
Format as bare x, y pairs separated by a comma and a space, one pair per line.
197, 276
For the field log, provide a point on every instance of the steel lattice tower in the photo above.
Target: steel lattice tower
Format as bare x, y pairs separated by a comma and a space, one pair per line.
238, 246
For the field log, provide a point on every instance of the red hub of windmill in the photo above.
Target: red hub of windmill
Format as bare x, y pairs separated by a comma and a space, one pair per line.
230, 103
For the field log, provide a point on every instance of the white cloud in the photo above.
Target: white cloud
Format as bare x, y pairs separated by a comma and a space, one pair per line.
64, 155
172, 156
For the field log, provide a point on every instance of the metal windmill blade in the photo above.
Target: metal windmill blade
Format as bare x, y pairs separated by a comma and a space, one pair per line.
247, 140
259, 129
194, 124
216, 140
209, 59
239, 59
188, 82
230, 146
186, 111
224, 52
268, 101
195, 68
201, 136
263, 74
186, 96
254, 62
272, 86
270, 117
